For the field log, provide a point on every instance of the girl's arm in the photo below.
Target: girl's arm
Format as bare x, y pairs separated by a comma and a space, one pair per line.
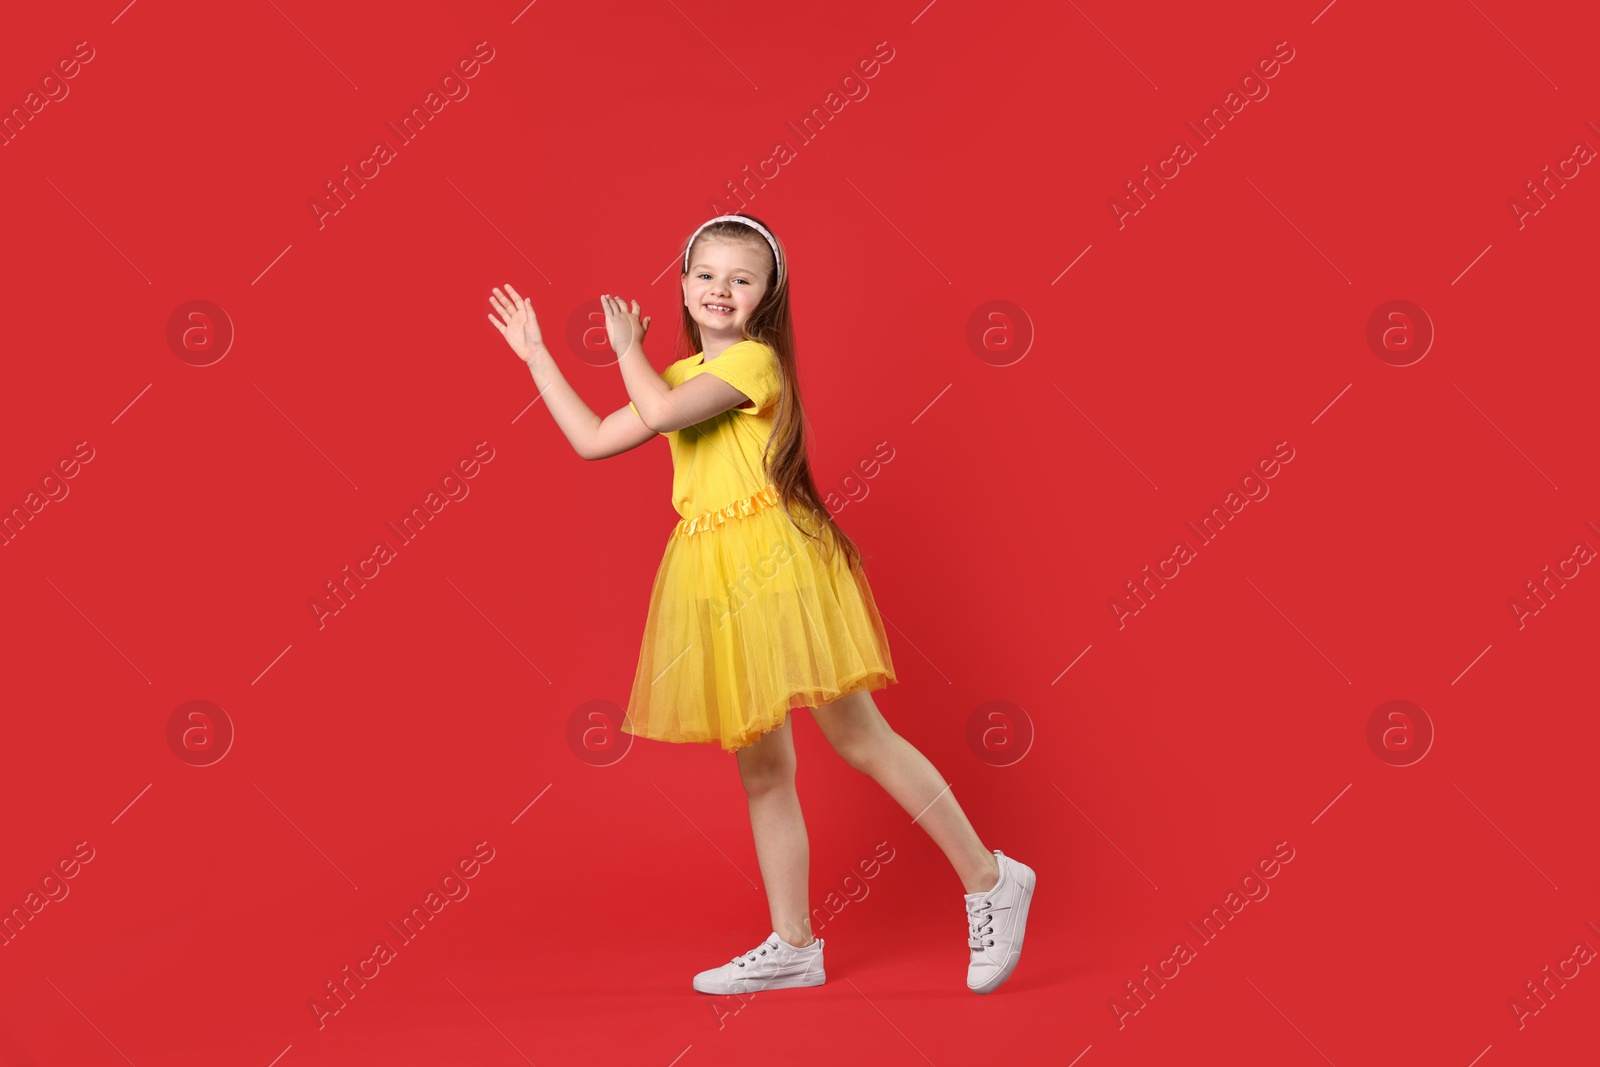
591, 437
661, 407
695, 401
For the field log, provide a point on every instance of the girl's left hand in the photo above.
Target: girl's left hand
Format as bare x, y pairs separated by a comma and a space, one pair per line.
623, 328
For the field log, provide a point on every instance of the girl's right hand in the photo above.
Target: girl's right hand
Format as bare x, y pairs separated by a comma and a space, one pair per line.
517, 323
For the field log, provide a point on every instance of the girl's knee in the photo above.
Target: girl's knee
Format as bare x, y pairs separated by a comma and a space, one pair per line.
856, 730
865, 749
769, 763
765, 776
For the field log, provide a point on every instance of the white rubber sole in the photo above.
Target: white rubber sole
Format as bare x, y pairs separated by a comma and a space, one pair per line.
757, 976
757, 985
1029, 878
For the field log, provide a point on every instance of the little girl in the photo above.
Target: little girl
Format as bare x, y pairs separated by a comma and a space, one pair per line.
761, 605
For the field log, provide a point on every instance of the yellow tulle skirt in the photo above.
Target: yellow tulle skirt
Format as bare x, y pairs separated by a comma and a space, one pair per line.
749, 619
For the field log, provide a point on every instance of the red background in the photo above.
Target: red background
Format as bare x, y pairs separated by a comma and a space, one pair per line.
435, 710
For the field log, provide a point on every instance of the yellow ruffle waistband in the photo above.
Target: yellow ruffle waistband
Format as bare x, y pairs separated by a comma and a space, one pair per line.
739, 508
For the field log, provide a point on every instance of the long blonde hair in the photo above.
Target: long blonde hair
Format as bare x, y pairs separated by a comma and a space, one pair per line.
785, 456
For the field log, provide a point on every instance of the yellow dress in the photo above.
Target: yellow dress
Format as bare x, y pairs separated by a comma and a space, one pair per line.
748, 616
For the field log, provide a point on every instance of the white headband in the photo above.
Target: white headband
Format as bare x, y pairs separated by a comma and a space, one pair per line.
753, 224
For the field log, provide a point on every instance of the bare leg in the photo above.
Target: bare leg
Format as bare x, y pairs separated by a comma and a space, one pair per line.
767, 769
857, 731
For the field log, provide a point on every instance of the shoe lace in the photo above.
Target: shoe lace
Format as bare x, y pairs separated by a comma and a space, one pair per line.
980, 922
759, 950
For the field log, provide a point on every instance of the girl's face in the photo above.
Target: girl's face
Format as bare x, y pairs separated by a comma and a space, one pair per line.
725, 284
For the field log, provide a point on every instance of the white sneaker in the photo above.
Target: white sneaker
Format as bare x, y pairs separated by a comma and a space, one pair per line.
773, 964
996, 920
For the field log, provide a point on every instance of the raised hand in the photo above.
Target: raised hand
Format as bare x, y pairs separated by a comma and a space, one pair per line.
623, 328
517, 322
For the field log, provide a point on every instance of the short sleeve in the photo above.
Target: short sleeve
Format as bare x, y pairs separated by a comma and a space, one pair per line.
752, 368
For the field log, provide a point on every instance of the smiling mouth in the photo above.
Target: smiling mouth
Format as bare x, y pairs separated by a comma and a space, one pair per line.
719, 309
